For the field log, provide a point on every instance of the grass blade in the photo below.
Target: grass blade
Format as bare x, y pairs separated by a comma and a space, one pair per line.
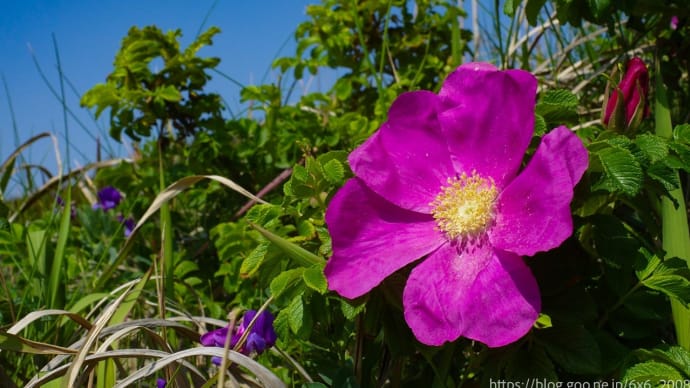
56, 295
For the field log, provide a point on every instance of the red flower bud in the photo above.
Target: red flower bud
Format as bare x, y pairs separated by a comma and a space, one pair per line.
627, 112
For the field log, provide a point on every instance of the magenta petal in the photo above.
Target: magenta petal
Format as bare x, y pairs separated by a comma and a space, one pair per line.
533, 212
483, 295
372, 238
407, 160
489, 119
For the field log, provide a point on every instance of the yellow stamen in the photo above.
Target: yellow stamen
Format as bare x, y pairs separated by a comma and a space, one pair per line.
465, 207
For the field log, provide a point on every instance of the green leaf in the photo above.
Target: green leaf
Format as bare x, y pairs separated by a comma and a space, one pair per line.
665, 175
573, 348
681, 133
673, 285
557, 104
334, 172
254, 260
284, 281
674, 356
315, 279
510, 7
532, 10
300, 255
281, 325
543, 321
651, 372
350, 309
654, 147
169, 93
539, 125
622, 171
295, 314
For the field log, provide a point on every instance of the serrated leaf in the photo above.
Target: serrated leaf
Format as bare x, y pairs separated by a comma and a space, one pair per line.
334, 172
350, 311
284, 280
306, 228
300, 174
557, 103
622, 171
315, 279
295, 314
675, 286
654, 147
281, 325
665, 175
651, 372
674, 356
539, 125
253, 260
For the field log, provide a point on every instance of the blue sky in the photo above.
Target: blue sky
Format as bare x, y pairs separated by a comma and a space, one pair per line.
88, 35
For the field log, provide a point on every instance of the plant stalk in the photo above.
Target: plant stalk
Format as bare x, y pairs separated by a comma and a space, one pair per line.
674, 221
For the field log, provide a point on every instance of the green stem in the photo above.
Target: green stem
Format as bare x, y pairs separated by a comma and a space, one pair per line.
674, 221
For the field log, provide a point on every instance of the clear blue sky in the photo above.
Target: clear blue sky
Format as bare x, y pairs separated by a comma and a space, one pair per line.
88, 35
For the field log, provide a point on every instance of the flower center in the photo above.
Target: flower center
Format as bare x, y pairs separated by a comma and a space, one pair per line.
465, 206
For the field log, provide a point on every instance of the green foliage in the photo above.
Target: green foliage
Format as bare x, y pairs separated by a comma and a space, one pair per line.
142, 97
605, 291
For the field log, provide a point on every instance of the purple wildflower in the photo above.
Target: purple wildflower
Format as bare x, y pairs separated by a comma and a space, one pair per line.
441, 180
128, 223
108, 198
674, 22
261, 337
161, 383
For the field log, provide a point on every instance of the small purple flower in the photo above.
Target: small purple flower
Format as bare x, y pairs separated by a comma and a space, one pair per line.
674, 22
442, 185
261, 337
128, 223
108, 198
161, 383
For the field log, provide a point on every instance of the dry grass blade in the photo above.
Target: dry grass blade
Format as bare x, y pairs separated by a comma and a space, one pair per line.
95, 358
16, 343
149, 323
50, 185
169, 193
35, 315
183, 184
76, 366
21, 148
266, 378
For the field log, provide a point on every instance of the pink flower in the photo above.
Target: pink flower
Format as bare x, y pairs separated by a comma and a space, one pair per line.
674, 22
441, 181
633, 107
